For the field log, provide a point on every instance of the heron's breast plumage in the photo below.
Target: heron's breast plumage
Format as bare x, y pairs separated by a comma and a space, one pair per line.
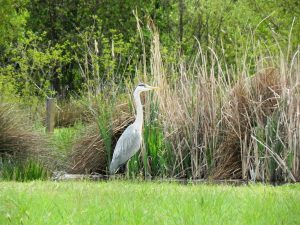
128, 144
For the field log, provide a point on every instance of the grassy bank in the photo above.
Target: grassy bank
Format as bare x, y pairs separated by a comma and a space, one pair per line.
146, 203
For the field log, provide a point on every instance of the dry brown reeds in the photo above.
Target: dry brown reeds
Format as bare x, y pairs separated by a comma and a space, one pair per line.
88, 154
18, 141
250, 102
230, 127
190, 111
71, 112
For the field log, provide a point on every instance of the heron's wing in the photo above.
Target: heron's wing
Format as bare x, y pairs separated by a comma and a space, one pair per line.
127, 145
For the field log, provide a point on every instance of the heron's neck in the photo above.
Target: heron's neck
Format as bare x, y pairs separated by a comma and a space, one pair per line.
139, 110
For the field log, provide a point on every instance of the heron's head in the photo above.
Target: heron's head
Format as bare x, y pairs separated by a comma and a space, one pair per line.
144, 87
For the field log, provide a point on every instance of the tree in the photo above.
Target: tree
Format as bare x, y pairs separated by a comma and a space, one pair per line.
13, 15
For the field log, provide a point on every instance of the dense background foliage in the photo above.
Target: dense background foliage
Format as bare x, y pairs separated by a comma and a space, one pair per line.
50, 47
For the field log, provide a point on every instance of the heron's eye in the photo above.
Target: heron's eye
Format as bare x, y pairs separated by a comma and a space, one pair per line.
141, 85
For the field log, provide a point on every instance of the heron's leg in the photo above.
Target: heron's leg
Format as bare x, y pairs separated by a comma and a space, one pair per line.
145, 160
122, 169
127, 170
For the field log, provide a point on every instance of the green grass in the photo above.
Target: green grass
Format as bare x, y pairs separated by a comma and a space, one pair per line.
63, 138
26, 171
120, 202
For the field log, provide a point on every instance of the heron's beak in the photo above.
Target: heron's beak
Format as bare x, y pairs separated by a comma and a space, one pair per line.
153, 88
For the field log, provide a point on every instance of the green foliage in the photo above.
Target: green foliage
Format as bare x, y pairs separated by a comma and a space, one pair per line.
105, 123
63, 138
7, 85
25, 171
31, 68
13, 17
156, 150
270, 137
134, 166
79, 45
102, 59
158, 153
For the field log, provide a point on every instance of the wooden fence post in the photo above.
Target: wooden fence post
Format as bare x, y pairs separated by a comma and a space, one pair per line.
50, 110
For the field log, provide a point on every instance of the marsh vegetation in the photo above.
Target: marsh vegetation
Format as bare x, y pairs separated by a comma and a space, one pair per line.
227, 108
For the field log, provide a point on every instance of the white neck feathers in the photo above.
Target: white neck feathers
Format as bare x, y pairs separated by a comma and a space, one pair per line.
139, 110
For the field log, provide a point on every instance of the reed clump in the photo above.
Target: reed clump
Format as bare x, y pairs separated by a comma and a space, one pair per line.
250, 103
24, 153
230, 124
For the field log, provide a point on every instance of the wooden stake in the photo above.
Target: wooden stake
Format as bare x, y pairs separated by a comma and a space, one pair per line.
50, 119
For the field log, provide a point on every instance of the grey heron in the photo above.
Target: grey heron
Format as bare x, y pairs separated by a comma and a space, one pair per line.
131, 139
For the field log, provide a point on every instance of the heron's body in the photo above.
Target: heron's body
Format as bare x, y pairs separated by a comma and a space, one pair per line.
131, 139
128, 144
